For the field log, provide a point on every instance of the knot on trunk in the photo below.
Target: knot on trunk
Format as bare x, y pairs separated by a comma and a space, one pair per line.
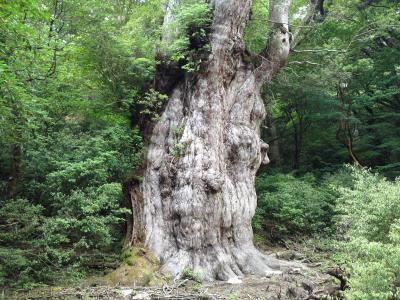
264, 152
244, 148
213, 180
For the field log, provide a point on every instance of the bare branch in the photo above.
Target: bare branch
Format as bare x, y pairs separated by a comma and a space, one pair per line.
318, 50
305, 62
293, 25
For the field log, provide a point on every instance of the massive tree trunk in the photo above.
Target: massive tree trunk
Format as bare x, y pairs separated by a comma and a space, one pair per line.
195, 204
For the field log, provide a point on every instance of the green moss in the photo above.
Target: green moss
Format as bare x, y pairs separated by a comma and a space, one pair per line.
139, 266
204, 296
191, 275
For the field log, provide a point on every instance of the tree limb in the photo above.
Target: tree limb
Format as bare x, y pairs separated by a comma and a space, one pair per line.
318, 50
306, 62
276, 53
281, 41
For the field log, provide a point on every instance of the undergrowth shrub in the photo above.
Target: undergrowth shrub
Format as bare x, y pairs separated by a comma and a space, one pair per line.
290, 206
370, 245
36, 248
70, 214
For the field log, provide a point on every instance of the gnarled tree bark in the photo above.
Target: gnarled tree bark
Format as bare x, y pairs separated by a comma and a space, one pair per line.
197, 198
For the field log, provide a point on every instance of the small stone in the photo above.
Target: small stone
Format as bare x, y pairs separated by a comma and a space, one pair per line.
296, 293
269, 273
307, 285
141, 296
125, 292
295, 271
289, 255
315, 265
234, 280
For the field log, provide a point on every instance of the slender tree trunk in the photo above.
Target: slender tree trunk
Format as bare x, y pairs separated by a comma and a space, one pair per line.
296, 154
296, 139
14, 174
345, 133
197, 198
274, 151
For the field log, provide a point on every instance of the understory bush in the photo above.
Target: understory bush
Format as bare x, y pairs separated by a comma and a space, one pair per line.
360, 211
45, 249
69, 215
290, 206
369, 224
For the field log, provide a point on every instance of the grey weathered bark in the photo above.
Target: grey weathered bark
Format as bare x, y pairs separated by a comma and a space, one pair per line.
197, 198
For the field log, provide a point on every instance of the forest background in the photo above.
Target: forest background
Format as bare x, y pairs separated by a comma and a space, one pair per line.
77, 80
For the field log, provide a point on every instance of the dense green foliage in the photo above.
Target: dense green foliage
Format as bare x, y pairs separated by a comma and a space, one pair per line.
353, 214
78, 80
67, 85
370, 230
337, 101
293, 206
344, 78
189, 32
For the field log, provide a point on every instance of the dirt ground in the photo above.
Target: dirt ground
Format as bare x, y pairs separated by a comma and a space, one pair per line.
311, 281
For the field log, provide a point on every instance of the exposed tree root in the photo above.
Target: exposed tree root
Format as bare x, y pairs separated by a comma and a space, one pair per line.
222, 265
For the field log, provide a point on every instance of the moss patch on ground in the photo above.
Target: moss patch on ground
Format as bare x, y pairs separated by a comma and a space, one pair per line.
139, 267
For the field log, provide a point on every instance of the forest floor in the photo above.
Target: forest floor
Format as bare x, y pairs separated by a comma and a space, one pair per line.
312, 281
